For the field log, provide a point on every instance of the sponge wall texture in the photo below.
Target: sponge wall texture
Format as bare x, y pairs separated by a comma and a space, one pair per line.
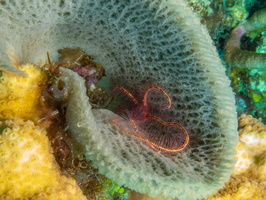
139, 43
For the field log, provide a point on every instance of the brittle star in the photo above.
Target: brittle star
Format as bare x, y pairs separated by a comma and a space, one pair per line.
141, 114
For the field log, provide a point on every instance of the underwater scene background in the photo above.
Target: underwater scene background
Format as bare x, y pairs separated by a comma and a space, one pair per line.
220, 18
93, 94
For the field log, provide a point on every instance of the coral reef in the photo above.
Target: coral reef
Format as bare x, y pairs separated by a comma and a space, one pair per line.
242, 188
140, 42
245, 67
236, 57
138, 196
83, 64
253, 135
20, 95
54, 168
201, 89
262, 43
249, 86
248, 180
80, 62
68, 154
219, 17
202, 7
28, 169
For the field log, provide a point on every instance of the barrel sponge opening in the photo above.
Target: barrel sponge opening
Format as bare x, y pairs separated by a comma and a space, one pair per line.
138, 42
190, 174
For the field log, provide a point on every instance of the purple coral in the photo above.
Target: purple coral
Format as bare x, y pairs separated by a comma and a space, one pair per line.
78, 61
89, 73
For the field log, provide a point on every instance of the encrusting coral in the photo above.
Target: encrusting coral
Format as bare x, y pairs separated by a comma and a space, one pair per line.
28, 169
38, 97
248, 180
20, 95
253, 136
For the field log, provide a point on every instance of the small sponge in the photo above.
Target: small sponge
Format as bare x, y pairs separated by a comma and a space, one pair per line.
28, 169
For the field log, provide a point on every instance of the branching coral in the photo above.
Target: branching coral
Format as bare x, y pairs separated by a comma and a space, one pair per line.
249, 178
20, 95
242, 58
28, 169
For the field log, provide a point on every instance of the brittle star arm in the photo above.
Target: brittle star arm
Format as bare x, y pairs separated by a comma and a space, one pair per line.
154, 87
173, 124
152, 144
124, 131
127, 93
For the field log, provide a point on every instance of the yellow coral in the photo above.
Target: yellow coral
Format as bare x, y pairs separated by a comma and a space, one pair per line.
249, 178
253, 133
19, 94
28, 169
242, 188
243, 158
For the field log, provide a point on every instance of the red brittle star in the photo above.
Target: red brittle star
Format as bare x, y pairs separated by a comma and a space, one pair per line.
141, 114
